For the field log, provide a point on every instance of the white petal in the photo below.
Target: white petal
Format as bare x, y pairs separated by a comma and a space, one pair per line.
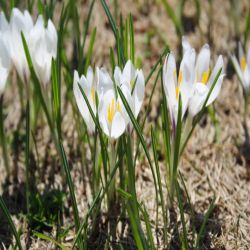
238, 71
187, 68
3, 78
185, 44
90, 76
219, 65
82, 106
104, 81
203, 60
138, 93
170, 78
248, 55
241, 51
118, 126
118, 76
129, 71
198, 98
216, 90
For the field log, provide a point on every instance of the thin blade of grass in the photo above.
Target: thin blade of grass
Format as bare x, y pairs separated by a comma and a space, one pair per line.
90, 50
48, 238
180, 205
27, 155
203, 226
71, 190
10, 221
132, 40
139, 133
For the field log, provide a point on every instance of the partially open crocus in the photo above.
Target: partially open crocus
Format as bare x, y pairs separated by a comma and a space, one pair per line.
88, 85
20, 22
4, 64
176, 83
42, 42
110, 113
204, 79
5, 61
134, 81
242, 68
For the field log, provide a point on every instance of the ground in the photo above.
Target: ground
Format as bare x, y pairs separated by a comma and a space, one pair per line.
216, 161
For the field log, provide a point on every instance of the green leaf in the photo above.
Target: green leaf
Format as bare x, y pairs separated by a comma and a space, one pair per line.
90, 50
203, 226
48, 238
10, 221
71, 190
180, 204
125, 195
132, 40
139, 133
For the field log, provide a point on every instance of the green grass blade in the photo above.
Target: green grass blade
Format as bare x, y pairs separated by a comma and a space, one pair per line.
110, 18
90, 50
50, 239
166, 50
27, 154
10, 221
132, 40
36, 82
3, 139
139, 133
180, 205
203, 226
200, 114
171, 13
71, 190
148, 226
103, 145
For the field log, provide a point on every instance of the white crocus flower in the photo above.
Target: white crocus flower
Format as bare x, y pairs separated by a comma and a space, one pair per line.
176, 84
104, 81
89, 87
5, 61
20, 22
204, 79
4, 64
110, 113
242, 68
134, 81
42, 42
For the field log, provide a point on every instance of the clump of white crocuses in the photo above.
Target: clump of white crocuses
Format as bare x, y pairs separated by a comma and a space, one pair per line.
242, 68
188, 91
113, 117
41, 41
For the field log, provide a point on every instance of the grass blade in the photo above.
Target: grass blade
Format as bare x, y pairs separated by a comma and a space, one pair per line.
180, 205
203, 226
90, 50
71, 190
10, 221
48, 238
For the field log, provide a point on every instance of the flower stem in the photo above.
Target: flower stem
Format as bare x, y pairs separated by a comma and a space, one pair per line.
3, 139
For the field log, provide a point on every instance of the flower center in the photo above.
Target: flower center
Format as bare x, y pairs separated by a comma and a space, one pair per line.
205, 76
112, 110
93, 94
177, 89
243, 63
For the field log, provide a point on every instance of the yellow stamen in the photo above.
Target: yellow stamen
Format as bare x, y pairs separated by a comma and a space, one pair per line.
111, 111
177, 90
93, 94
205, 76
118, 107
179, 78
243, 63
174, 73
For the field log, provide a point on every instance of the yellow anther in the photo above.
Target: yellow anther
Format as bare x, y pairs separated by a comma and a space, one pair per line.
177, 90
243, 63
93, 94
118, 107
174, 73
111, 111
179, 79
205, 76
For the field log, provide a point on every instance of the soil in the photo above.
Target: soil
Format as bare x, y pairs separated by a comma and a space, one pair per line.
216, 162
